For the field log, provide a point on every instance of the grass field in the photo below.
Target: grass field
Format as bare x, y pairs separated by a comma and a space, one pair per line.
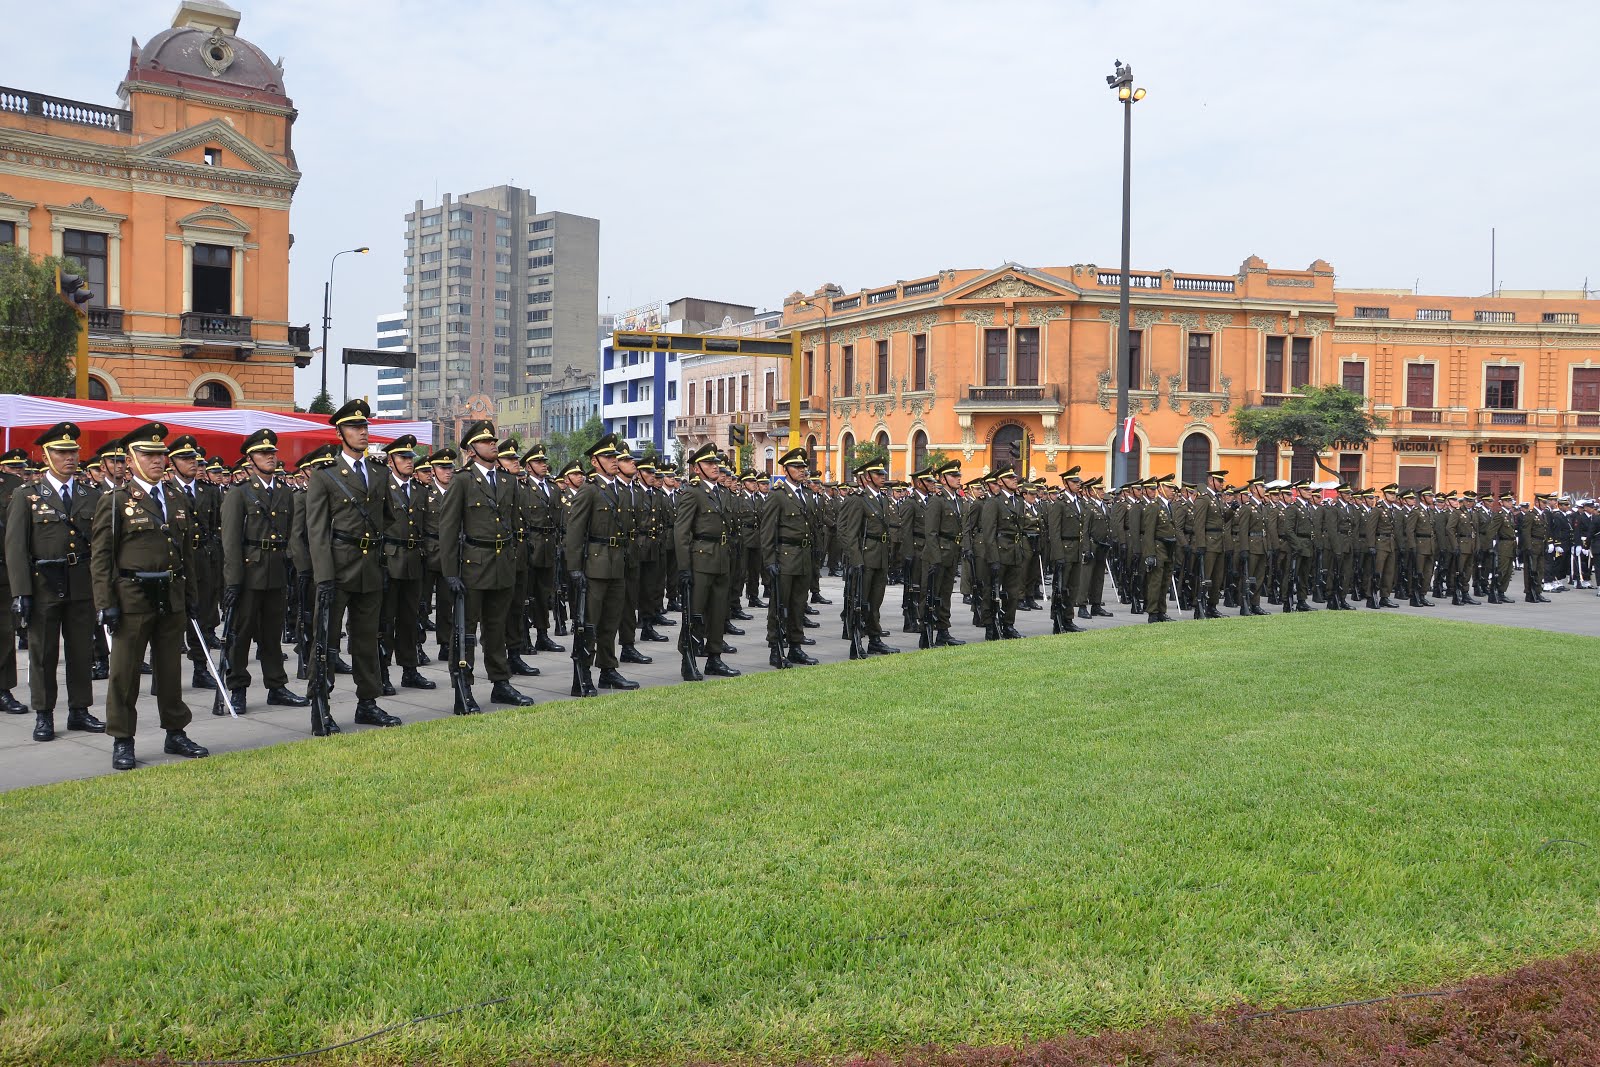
986, 844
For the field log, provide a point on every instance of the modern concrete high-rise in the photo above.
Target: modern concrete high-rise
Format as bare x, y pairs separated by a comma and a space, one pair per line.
390, 403
499, 295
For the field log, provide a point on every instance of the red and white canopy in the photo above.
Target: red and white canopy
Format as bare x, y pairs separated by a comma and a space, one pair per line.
219, 430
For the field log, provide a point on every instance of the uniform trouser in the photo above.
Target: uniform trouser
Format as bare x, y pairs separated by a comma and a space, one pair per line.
402, 598
1092, 580
1297, 571
604, 604
753, 575
1213, 568
1255, 574
54, 621
487, 607
8, 640
652, 585
791, 593
360, 612
519, 593
541, 591
1072, 566
1505, 557
710, 603
444, 606
205, 591
1532, 574
1422, 578
1156, 580
1384, 568
736, 557
258, 616
628, 624
1013, 580
874, 580
1462, 573
163, 635
944, 585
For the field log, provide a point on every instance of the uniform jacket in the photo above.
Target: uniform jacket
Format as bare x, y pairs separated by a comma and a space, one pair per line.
1003, 531
542, 523
864, 530
598, 528
347, 545
39, 526
702, 529
256, 528
786, 531
405, 541
131, 534
477, 529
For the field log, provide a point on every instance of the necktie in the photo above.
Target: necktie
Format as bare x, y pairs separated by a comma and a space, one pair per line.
155, 495
66, 496
360, 468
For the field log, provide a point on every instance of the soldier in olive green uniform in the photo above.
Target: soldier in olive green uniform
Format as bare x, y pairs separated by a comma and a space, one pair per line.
404, 549
541, 534
1533, 540
477, 555
944, 527
701, 536
1158, 544
1066, 548
1208, 542
47, 557
1004, 552
787, 560
10, 481
443, 464
598, 521
864, 536
652, 543
205, 533
636, 512
518, 639
257, 519
347, 512
143, 558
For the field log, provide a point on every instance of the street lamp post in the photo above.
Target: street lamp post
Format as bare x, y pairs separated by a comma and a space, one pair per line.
828, 292
327, 304
1122, 81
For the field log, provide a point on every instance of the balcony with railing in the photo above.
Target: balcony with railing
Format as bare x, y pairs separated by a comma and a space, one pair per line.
1044, 397
1421, 416
1581, 420
55, 108
105, 322
300, 338
209, 328
1135, 281
1502, 417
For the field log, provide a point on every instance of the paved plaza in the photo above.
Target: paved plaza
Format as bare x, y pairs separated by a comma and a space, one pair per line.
25, 762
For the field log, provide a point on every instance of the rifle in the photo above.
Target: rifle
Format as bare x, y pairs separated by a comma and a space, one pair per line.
686, 638
563, 591
1200, 584
1055, 597
908, 601
216, 675
930, 604
321, 675
1103, 556
1322, 575
856, 610
230, 628
291, 606
783, 645
583, 644
997, 604
302, 645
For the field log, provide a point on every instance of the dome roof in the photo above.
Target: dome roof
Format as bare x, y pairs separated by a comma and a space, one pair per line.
203, 50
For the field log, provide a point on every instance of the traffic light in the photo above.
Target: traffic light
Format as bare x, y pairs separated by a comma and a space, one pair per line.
74, 290
737, 434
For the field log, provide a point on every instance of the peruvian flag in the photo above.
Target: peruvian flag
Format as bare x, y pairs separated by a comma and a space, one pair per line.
1125, 440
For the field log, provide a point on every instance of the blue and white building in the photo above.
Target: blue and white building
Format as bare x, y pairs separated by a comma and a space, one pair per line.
392, 401
640, 392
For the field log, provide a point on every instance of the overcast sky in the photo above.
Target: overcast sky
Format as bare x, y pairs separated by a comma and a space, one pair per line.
742, 150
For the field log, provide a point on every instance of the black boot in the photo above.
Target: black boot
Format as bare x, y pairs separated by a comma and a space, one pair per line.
756, 602
1385, 602
715, 666
11, 705
411, 678
544, 644
611, 679
1099, 612
235, 701
283, 697
799, 656
648, 633
44, 726
775, 658
122, 753
369, 714
727, 649
1072, 627
731, 629
740, 615
521, 668
1010, 633
339, 665
469, 708
876, 647
178, 744
630, 654
943, 638
201, 679
1083, 611
385, 686
99, 671
991, 632
506, 693
818, 598
1424, 602
1372, 603
80, 719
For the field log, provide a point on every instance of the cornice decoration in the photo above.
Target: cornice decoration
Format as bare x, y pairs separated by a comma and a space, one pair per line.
1112, 315
1200, 410
1174, 383
1009, 288
877, 331
969, 440
1314, 327
1102, 394
1185, 319
212, 131
1266, 323
1226, 385
1042, 314
1154, 399
1144, 318
214, 217
70, 163
1294, 283
1218, 322
1497, 340
88, 207
981, 316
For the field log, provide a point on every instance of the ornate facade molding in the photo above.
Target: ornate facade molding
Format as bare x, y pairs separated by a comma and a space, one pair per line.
1009, 288
1225, 385
1144, 318
1218, 322
1041, 314
1174, 383
1315, 327
981, 316
1102, 394
1294, 283
212, 131
1185, 319
1266, 323
214, 217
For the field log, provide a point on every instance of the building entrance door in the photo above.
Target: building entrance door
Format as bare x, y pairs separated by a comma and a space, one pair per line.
1497, 475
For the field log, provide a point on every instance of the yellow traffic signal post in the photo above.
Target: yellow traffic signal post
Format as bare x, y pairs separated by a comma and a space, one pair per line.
714, 345
72, 289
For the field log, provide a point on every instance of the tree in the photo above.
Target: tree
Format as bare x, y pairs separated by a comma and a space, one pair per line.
38, 331
322, 405
866, 451
935, 458
565, 447
1316, 417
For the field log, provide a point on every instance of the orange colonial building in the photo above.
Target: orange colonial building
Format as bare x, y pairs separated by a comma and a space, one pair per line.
1501, 392
177, 206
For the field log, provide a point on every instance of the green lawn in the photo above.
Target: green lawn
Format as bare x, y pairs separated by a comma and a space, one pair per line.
974, 845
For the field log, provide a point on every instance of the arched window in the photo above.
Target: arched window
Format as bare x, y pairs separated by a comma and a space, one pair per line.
1135, 460
1007, 447
97, 389
1196, 458
847, 455
213, 395
1267, 460
919, 450
883, 446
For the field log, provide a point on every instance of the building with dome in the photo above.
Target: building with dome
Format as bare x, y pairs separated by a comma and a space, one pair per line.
176, 204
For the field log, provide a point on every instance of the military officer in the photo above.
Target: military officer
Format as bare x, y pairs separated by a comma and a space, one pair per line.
1158, 545
204, 505
598, 521
864, 535
542, 534
1207, 514
944, 528
257, 519
1066, 548
477, 556
1005, 552
347, 512
1533, 540
442, 462
10, 481
787, 561
636, 511
404, 549
47, 557
142, 568
702, 532
518, 639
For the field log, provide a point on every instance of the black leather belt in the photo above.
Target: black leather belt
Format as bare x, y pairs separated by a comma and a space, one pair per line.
366, 541
614, 541
269, 544
148, 576
69, 560
797, 544
401, 541
498, 543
